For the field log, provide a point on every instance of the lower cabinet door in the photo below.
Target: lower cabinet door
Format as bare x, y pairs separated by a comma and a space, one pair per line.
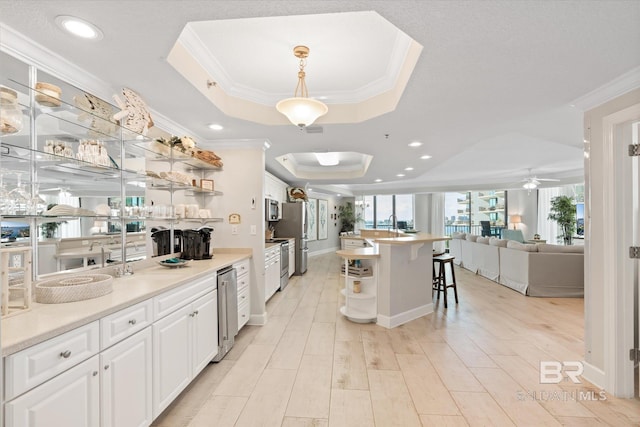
205, 331
71, 399
126, 382
172, 357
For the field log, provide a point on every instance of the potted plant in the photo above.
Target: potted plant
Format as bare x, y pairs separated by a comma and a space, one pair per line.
563, 211
48, 230
348, 217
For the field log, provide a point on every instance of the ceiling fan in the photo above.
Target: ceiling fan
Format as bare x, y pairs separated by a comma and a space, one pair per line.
531, 182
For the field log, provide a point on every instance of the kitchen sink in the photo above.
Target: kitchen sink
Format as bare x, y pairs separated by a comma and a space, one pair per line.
73, 288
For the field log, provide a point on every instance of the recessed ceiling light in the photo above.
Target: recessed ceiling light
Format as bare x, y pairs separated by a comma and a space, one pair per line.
215, 126
400, 175
378, 180
338, 195
79, 27
309, 189
415, 144
425, 157
267, 145
408, 168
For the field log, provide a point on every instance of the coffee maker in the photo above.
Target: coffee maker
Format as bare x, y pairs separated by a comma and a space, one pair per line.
162, 243
196, 244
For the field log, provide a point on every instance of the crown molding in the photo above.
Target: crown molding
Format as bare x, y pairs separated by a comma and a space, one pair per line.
617, 87
28, 51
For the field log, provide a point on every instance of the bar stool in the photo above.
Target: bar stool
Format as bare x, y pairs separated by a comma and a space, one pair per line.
440, 281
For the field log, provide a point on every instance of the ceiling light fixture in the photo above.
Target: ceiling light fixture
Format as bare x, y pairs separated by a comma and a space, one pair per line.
400, 175
408, 168
377, 180
425, 157
530, 185
79, 27
328, 159
215, 126
301, 110
415, 144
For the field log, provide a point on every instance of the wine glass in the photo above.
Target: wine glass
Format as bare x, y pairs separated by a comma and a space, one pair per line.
19, 197
5, 203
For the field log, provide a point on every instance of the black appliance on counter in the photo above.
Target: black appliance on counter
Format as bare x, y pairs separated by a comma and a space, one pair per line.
163, 242
196, 244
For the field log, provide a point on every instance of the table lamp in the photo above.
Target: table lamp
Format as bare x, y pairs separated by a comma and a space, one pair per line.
515, 219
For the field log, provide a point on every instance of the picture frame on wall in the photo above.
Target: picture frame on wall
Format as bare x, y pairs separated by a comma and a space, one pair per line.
323, 219
312, 213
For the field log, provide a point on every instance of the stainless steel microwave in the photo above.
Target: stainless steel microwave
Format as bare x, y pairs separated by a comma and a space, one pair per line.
272, 210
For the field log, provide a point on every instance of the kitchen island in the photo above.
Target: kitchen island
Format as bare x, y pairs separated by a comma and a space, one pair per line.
402, 267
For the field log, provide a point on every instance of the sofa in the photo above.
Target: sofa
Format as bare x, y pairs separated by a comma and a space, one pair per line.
540, 270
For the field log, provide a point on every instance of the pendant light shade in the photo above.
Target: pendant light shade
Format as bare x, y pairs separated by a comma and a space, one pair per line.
301, 110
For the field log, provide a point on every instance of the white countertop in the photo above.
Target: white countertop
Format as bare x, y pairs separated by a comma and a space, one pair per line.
45, 321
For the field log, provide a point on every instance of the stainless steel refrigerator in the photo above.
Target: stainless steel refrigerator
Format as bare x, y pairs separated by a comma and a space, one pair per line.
294, 224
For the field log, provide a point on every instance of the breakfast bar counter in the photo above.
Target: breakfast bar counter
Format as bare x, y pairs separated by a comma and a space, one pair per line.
402, 268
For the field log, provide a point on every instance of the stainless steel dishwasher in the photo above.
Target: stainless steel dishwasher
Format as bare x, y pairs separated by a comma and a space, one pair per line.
227, 311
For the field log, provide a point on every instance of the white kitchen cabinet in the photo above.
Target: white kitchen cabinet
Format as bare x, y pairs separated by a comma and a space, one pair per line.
34, 365
244, 292
126, 382
274, 188
71, 399
205, 331
183, 343
271, 271
292, 256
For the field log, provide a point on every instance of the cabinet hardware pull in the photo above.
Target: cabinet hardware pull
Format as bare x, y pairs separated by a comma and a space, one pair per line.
132, 321
106, 367
65, 354
196, 312
95, 373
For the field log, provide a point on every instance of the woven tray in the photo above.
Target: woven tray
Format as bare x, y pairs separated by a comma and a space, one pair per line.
74, 288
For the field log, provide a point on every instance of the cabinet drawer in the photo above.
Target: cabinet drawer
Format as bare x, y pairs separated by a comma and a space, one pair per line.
244, 312
35, 365
243, 282
243, 295
124, 323
242, 267
173, 300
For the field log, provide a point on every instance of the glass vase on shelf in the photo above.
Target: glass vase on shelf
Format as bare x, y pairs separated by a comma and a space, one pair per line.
10, 113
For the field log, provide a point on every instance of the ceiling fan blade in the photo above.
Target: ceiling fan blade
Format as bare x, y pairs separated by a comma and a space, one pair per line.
547, 179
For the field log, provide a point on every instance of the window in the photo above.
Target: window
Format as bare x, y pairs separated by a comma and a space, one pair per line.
465, 211
378, 211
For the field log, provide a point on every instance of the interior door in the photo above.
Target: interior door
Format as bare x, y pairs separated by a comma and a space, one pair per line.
635, 196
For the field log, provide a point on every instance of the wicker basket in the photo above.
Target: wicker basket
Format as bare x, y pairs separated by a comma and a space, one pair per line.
73, 288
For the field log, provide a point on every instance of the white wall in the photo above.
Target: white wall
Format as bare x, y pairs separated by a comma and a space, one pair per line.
242, 182
332, 242
598, 218
525, 204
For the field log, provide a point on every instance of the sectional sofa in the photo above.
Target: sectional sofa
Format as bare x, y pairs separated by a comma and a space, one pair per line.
540, 270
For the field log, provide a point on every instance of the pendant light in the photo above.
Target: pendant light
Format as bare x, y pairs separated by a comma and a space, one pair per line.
301, 110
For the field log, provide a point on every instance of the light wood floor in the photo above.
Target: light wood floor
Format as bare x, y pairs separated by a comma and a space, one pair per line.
475, 364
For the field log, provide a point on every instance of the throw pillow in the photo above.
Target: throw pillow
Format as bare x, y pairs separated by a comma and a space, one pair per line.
457, 235
547, 248
483, 240
501, 243
512, 244
471, 237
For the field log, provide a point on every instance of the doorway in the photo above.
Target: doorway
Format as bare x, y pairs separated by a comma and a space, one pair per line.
621, 298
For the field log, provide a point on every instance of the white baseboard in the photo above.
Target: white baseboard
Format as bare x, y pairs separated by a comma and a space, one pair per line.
324, 251
258, 319
402, 318
593, 374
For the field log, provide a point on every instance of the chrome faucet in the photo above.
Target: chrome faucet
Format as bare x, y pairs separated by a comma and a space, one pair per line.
393, 223
95, 242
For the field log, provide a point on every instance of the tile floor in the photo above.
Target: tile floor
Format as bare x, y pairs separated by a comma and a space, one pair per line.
475, 364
